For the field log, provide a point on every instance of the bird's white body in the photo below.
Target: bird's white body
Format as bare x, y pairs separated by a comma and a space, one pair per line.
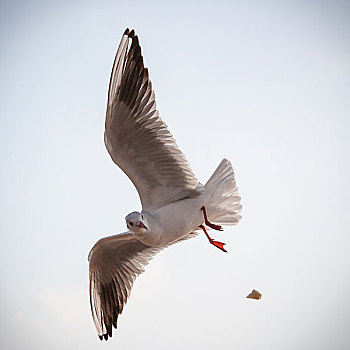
174, 202
172, 222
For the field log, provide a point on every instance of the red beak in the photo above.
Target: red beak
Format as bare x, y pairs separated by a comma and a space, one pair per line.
142, 225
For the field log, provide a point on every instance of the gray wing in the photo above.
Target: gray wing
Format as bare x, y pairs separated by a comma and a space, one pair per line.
114, 264
136, 138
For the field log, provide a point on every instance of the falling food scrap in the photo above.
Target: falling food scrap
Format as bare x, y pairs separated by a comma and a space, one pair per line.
254, 295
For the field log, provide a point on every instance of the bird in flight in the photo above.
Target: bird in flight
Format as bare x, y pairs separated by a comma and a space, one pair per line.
175, 205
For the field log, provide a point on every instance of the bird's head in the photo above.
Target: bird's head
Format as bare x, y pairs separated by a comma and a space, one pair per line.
135, 222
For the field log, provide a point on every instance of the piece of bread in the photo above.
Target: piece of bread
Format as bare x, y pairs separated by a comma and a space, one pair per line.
254, 295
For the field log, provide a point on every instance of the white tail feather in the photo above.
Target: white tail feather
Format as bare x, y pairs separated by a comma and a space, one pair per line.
223, 205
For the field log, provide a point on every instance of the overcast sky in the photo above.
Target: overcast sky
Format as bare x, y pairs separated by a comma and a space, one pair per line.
262, 83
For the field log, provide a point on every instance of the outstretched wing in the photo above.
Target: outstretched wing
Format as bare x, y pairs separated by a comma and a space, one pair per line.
137, 140
115, 262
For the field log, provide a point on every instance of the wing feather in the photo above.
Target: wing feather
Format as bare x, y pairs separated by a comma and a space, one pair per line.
114, 264
136, 138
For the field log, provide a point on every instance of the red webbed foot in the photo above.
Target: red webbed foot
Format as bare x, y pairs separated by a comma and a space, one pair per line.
215, 227
217, 244
208, 223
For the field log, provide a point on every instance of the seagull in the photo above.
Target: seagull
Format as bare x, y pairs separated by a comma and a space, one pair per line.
175, 205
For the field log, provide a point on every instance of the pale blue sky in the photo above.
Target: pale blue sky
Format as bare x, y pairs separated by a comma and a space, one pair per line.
262, 83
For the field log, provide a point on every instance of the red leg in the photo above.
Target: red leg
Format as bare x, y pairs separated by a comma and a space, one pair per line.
208, 223
217, 244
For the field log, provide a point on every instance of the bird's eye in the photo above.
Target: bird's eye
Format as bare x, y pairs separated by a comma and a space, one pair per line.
131, 223
142, 216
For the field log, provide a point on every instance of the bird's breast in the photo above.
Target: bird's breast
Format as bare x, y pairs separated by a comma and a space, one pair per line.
176, 220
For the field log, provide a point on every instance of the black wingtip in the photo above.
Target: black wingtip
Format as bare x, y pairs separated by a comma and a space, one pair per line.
145, 73
101, 337
105, 336
132, 34
126, 31
135, 41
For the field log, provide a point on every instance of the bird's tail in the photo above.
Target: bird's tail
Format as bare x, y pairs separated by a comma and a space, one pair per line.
224, 203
